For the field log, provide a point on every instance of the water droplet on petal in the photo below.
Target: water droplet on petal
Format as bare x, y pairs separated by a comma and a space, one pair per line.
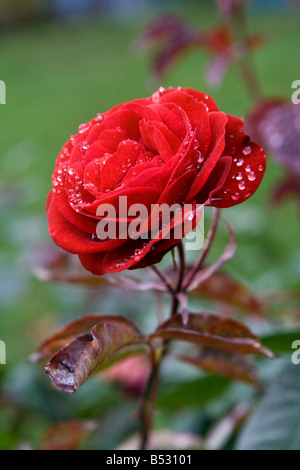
248, 168
99, 118
235, 196
260, 168
83, 127
242, 186
71, 171
247, 150
239, 177
251, 176
84, 146
240, 162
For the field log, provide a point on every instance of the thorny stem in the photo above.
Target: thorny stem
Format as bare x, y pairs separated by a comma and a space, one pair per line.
178, 296
149, 398
177, 290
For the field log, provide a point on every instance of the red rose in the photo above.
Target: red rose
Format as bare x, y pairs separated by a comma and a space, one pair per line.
173, 147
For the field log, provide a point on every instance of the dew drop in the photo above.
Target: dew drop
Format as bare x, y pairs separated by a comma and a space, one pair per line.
242, 186
251, 176
71, 171
83, 127
247, 150
248, 168
235, 196
240, 162
239, 177
99, 118
260, 168
84, 146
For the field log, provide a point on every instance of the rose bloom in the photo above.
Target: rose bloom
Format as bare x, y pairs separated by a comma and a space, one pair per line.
174, 147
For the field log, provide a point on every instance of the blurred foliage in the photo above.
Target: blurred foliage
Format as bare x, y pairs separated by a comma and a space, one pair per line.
59, 74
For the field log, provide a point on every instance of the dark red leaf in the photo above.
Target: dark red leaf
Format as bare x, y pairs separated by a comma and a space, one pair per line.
223, 288
86, 345
52, 264
110, 340
232, 366
212, 331
65, 335
275, 124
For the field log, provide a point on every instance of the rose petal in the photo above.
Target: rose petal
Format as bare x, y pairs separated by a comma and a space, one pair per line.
247, 170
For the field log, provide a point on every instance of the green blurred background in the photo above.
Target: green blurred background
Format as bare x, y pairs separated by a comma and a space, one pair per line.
61, 67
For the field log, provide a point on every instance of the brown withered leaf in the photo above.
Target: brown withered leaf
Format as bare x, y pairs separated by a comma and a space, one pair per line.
86, 345
212, 331
223, 288
109, 340
66, 435
65, 335
232, 366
